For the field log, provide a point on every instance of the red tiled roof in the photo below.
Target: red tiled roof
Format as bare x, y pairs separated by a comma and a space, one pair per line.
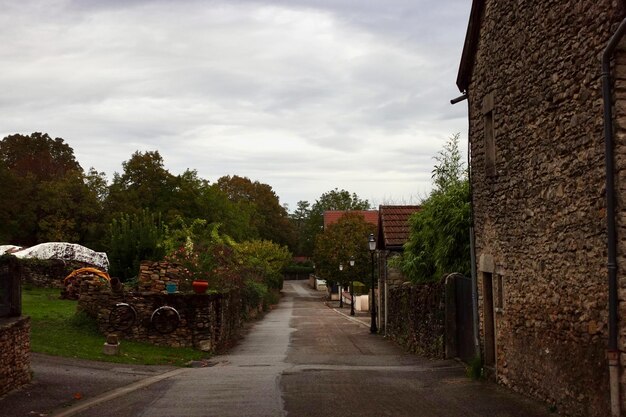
332, 216
394, 222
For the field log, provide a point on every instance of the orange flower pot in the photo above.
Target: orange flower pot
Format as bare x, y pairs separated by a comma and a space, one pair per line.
200, 287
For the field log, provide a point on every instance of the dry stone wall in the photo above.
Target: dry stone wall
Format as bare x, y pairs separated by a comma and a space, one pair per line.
207, 321
14, 353
540, 212
416, 317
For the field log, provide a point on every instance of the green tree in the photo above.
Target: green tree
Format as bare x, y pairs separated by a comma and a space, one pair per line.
299, 219
269, 219
44, 191
331, 200
263, 261
144, 183
439, 237
132, 239
38, 155
348, 238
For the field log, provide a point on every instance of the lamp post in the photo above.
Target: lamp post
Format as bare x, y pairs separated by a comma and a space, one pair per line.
372, 247
351, 287
340, 287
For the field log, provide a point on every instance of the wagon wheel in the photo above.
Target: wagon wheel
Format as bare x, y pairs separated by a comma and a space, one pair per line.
122, 316
165, 319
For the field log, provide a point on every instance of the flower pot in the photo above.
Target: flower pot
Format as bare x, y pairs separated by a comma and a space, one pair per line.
200, 287
171, 287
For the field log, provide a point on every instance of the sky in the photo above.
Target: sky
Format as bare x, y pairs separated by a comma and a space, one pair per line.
306, 96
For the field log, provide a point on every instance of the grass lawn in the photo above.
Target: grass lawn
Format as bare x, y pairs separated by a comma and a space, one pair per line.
58, 330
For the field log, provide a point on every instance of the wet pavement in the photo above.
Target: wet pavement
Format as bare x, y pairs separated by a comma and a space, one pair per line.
305, 358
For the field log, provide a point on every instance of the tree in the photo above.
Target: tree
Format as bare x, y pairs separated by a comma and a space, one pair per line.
38, 155
144, 183
132, 239
269, 218
263, 261
338, 243
44, 191
299, 219
331, 200
439, 238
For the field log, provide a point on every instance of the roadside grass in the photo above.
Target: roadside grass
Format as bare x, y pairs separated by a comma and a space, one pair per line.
56, 329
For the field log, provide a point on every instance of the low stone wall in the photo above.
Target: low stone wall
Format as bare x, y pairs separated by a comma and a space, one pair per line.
14, 353
207, 321
154, 275
416, 318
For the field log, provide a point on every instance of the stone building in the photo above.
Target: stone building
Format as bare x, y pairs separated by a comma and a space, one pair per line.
532, 76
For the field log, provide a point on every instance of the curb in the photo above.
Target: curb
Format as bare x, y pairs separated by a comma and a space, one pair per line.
351, 318
118, 392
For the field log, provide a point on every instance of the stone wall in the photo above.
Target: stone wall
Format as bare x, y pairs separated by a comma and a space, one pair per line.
14, 353
416, 318
619, 114
539, 198
154, 275
207, 321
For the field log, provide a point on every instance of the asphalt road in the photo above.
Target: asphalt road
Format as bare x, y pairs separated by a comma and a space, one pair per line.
305, 359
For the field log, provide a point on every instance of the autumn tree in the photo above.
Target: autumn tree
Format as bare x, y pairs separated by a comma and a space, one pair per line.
339, 242
331, 200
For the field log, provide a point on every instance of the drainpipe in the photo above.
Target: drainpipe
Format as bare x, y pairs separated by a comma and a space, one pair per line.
613, 354
471, 234
386, 292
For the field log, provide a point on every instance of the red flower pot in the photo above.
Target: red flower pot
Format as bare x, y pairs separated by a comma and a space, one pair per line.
200, 287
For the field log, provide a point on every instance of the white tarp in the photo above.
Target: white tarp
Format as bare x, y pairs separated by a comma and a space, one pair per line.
66, 252
9, 249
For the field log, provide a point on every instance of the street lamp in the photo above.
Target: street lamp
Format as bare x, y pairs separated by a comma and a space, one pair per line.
340, 287
351, 287
372, 247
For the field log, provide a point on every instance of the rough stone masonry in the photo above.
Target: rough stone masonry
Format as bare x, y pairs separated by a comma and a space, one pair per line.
537, 161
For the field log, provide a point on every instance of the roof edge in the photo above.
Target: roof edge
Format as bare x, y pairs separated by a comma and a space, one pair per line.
469, 47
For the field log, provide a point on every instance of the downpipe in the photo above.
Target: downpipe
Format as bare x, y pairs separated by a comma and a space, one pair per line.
613, 354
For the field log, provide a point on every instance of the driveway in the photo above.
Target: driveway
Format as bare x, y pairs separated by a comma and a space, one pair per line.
302, 359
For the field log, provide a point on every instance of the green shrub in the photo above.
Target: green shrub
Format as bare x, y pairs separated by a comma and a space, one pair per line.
474, 369
254, 293
360, 288
271, 298
133, 239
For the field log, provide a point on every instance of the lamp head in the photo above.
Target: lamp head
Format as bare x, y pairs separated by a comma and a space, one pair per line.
372, 242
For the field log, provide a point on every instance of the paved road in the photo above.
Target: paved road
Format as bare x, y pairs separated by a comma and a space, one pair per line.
305, 359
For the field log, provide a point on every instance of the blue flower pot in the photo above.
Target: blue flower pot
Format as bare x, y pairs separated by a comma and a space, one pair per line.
171, 287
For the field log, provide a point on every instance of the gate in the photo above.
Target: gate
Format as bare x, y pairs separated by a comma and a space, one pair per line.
464, 326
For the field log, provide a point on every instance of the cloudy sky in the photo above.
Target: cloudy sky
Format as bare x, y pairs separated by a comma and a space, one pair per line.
304, 95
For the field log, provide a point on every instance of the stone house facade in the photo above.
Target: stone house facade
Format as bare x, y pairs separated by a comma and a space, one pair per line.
531, 73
